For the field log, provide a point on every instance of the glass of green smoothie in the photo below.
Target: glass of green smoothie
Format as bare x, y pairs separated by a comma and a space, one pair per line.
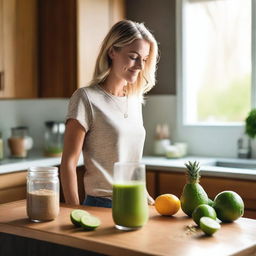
129, 201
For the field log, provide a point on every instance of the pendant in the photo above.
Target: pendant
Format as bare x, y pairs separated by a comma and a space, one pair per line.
125, 115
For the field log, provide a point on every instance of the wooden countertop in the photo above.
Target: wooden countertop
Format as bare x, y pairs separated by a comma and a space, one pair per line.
160, 236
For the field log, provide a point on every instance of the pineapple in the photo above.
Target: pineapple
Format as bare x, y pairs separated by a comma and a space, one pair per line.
193, 193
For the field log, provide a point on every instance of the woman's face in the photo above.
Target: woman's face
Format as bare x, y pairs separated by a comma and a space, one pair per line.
128, 61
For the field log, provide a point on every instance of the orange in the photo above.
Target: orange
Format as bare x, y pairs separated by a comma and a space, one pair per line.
167, 204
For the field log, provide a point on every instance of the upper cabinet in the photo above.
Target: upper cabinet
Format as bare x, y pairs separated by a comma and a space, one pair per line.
94, 21
70, 35
18, 49
160, 17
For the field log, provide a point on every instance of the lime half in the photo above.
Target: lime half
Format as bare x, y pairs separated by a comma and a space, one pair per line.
209, 226
89, 222
76, 216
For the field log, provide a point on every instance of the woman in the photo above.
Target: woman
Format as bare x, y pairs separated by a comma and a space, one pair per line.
104, 120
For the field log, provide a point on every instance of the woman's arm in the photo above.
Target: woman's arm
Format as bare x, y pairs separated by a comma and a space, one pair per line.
73, 143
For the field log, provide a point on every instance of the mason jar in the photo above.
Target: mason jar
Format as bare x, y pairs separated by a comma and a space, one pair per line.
20, 142
42, 193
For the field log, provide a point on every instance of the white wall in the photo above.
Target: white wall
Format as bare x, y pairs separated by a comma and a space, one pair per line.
158, 110
216, 141
204, 141
31, 113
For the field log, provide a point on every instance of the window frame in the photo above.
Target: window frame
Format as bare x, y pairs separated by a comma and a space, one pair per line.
181, 69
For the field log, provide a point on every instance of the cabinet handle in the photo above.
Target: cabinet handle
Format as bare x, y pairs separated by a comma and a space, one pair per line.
1, 81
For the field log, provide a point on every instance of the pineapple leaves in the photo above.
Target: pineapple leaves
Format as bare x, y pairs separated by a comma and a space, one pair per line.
193, 169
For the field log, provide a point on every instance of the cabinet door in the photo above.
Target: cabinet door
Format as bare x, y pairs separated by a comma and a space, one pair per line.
57, 47
18, 49
80, 170
93, 24
12, 186
170, 182
94, 21
70, 34
160, 17
151, 183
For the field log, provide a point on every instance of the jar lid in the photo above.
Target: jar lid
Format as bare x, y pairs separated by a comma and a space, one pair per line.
52, 123
43, 169
20, 131
55, 126
20, 128
49, 123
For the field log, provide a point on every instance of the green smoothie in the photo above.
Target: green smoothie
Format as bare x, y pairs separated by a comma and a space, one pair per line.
130, 207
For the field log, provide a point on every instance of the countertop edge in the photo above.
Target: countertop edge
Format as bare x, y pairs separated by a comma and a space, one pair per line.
24, 164
153, 163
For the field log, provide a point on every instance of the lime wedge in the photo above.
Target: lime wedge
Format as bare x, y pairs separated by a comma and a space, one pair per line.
209, 226
90, 222
76, 215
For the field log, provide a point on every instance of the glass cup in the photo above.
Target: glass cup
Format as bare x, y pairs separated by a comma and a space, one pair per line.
129, 202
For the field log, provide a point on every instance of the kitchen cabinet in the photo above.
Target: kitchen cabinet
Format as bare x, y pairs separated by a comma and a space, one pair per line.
18, 49
160, 17
80, 181
12, 186
150, 180
70, 34
151, 183
173, 182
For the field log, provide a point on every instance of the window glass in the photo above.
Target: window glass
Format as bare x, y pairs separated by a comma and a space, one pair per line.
217, 60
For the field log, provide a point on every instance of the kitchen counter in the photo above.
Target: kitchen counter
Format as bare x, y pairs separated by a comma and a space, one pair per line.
208, 167
160, 236
35, 158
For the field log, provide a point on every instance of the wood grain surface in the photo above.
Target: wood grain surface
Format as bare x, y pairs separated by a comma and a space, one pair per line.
175, 235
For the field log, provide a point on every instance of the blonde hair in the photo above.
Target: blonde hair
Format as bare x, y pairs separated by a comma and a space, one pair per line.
122, 34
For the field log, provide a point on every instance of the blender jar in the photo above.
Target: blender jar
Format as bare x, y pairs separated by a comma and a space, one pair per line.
53, 138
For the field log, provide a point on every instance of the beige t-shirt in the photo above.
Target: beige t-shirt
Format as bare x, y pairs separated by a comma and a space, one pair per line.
110, 137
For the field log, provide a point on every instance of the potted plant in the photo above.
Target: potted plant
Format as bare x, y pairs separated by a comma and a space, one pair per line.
250, 131
250, 124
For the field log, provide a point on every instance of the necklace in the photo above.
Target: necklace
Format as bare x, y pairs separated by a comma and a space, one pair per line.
111, 97
125, 113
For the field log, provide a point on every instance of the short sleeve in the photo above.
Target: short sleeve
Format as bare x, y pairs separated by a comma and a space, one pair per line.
79, 108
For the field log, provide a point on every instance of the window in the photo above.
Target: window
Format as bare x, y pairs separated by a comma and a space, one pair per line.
216, 60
